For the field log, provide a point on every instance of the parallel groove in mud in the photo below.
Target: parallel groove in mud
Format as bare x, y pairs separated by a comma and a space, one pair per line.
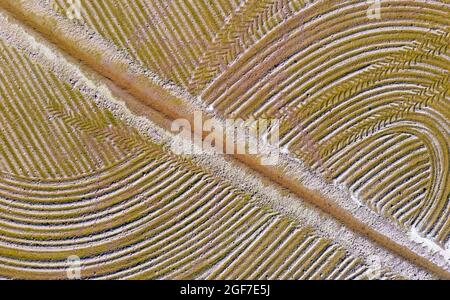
128, 207
367, 97
266, 58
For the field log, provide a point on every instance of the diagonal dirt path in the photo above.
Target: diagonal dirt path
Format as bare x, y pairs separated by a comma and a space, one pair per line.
173, 103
